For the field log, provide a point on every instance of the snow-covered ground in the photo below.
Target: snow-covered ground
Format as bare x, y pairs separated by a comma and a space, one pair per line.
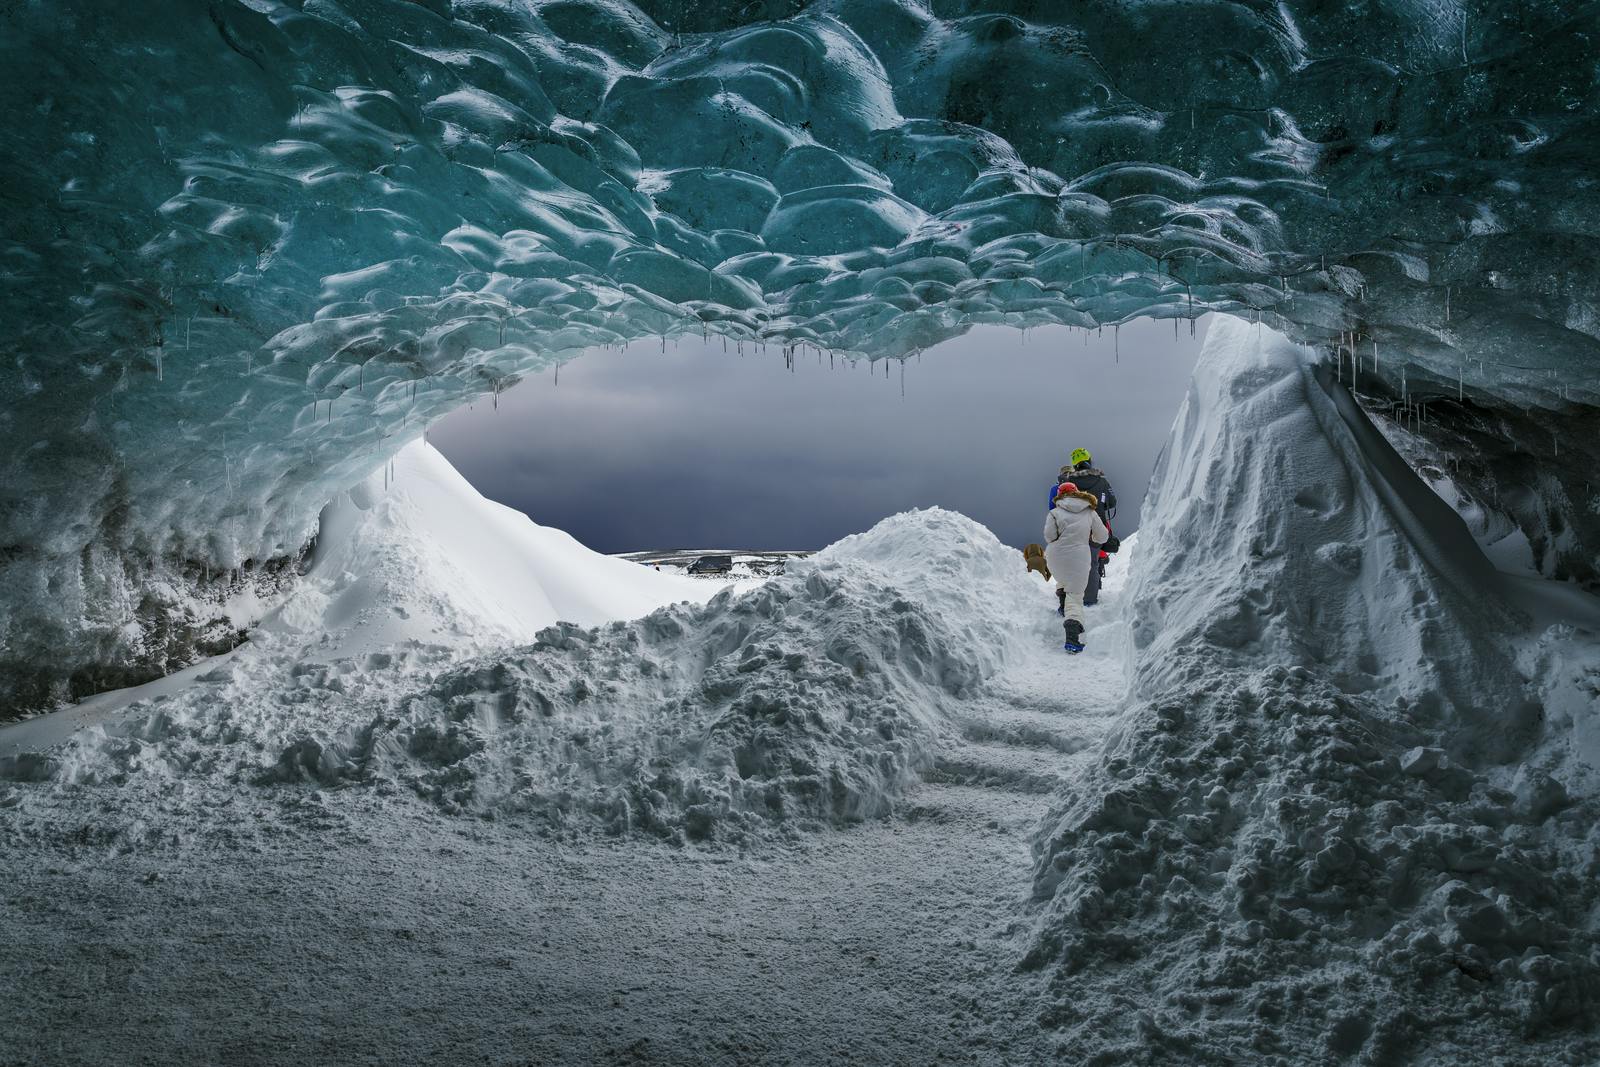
439, 842
1320, 790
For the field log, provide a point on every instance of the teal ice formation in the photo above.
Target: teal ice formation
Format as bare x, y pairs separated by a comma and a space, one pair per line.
251, 247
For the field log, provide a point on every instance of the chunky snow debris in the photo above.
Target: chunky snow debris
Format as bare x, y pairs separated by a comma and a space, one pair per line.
252, 245
815, 697
1335, 815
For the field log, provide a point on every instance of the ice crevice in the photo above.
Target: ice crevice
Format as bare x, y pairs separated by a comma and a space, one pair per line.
257, 245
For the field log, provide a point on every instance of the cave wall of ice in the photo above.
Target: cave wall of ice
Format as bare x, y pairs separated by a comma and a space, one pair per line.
254, 246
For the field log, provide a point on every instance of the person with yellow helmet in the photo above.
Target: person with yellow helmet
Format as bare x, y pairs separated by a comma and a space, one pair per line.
1090, 479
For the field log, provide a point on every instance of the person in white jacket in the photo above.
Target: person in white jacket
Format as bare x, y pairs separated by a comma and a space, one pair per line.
1069, 528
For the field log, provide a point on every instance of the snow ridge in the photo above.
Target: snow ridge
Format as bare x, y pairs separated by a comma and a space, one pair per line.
447, 645
816, 697
1323, 823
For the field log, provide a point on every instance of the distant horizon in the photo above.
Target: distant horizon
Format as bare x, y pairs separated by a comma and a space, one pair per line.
748, 451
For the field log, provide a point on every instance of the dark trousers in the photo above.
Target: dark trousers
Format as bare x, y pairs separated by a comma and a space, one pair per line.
1091, 592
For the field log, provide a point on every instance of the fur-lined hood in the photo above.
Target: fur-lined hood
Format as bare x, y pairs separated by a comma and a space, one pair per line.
1088, 498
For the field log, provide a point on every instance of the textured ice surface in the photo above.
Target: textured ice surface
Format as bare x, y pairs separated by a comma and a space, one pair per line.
1336, 821
252, 245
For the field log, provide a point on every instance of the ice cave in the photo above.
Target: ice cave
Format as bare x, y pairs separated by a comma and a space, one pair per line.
310, 753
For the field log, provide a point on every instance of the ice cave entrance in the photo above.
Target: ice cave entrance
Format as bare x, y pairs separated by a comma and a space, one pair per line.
704, 443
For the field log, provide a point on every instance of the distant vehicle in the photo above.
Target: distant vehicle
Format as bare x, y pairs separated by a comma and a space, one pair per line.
711, 565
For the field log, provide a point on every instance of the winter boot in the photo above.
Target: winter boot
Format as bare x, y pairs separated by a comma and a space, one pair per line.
1061, 602
1074, 630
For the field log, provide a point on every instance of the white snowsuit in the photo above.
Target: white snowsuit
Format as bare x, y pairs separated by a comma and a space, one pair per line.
1068, 529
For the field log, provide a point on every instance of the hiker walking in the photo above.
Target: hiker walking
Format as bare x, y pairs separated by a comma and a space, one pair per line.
1091, 480
1072, 528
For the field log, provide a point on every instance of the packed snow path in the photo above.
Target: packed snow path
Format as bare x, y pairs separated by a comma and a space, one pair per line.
342, 928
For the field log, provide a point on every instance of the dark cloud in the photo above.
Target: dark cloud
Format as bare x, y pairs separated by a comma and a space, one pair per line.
697, 447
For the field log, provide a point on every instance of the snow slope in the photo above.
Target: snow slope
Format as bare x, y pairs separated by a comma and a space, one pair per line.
448, 645
413, 568
816, 697
1330, 824
416, 555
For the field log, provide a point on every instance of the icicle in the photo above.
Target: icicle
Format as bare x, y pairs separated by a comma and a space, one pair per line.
1447, 303
1116, 342
1374, 355
558, 374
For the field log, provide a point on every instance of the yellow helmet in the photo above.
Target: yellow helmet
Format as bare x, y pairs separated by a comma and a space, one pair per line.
1080, 455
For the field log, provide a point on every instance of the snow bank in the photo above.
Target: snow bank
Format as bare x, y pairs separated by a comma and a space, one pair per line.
415, 555
1325, 819
815, 697
450, 646
413, 571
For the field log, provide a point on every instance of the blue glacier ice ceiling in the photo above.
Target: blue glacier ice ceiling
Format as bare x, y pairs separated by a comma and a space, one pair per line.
251, 247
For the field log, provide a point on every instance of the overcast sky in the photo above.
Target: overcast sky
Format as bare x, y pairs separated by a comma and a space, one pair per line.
695, 447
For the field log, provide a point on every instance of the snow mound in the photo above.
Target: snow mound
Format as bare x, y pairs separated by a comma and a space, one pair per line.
449, 646
414, 555
814, 698
413, 571
1326, 820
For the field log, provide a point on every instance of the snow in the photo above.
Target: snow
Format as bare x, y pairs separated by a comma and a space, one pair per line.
420, 557
1336, 820
412, 564
1291, 804
449, 645
930, 692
